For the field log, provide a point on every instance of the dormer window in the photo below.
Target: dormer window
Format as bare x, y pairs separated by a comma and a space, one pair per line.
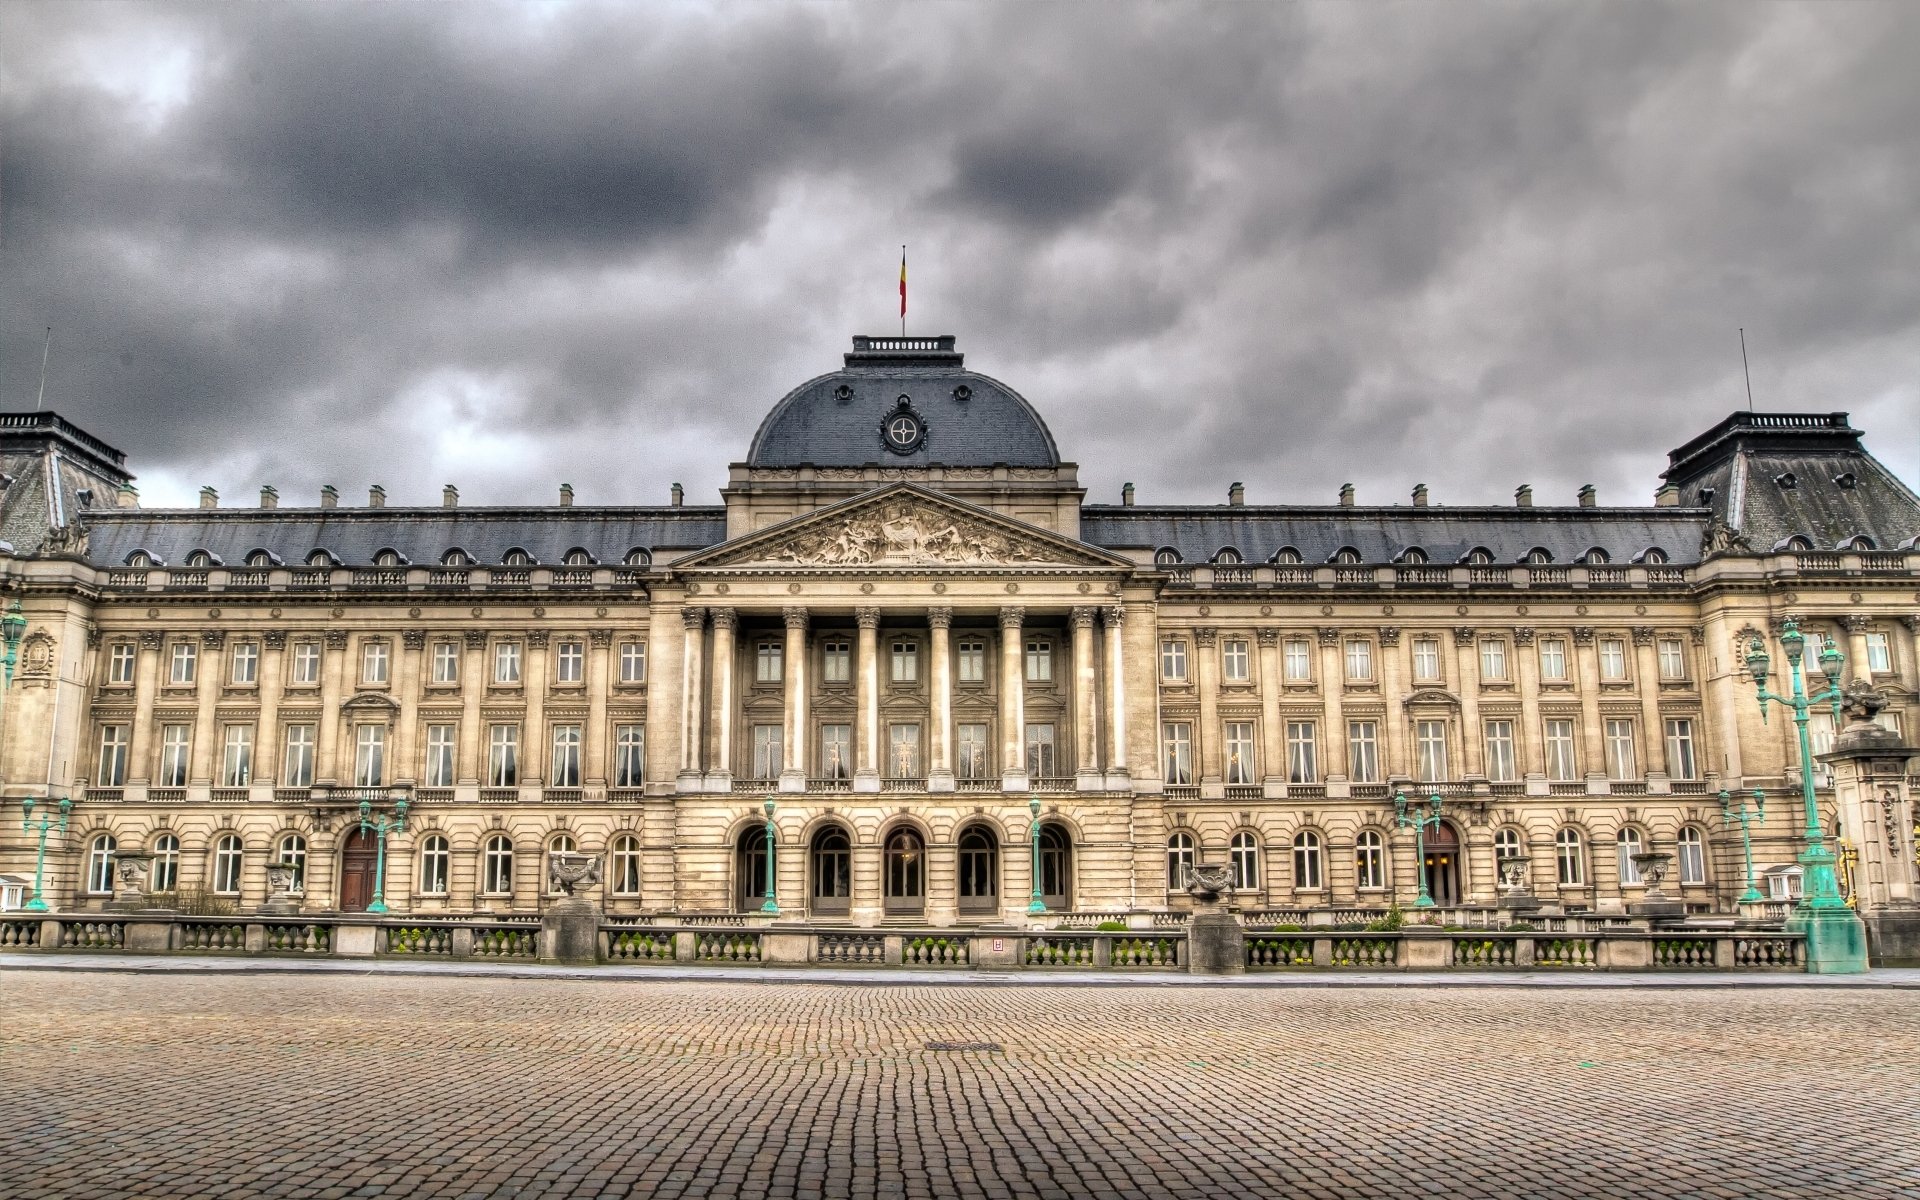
1538, 556
1786, 481
140, 558
638, 557
1846, 480
200, 559
1227, 556
1479, 556
577, 558
1286, 556
1653, 556
1345, 556
456, 558
516, 558
259, 558
320, 558
1413, 555
1799, 545
1857, 543
1166, 556
388, 558
1596, 557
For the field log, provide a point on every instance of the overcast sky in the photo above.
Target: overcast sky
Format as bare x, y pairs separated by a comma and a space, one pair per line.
1470, 245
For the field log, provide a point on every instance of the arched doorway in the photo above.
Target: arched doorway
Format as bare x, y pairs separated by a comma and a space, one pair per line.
750, 870
906, 874
359, 859
979, 872
1056, 868
830, 868
1443, 865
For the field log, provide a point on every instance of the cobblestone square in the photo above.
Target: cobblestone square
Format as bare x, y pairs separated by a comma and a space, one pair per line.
337, 1086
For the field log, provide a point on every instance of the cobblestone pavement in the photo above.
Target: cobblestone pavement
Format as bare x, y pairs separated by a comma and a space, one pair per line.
334, 1086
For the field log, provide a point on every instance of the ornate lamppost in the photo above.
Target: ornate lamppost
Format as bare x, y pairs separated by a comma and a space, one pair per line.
1035, 905
1836, 939
1419, 820
12, 627
772, 905
1746, 817
46, 822
380, 826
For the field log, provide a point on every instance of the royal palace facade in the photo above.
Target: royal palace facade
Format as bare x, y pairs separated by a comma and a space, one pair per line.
904, 637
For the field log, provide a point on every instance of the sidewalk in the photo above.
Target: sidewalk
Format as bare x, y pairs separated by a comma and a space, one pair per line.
1886, 978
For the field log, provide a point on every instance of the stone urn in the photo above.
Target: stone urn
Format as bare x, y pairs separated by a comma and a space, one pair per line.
1655, 904
570, 926
130, 872
281, 877
1216, 944
1516, 887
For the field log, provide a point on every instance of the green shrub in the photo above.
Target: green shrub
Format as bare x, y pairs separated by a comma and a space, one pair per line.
1111, 927
1394, 920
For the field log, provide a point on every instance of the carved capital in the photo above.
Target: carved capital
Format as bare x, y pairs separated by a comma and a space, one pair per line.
274, 639
795, 617
1267, 636
601, 638
1855, 622
1115, 617
537, 638
1464, 635
213, 639
1523, 635
1912, 623
1699, 635
1643, 635
1583, 635
867, 617
150, 639
1083, 617
725, 618
336, 639
414, 639
1205, 635
1011, 616
695, 619
476, 639
1389, 636
940, 618
93, 637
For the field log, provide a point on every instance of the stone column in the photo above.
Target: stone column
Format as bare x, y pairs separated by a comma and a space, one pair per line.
1333, 689
1207, 731
1531, 751
1592, 742
471, 752
205, 760
1273, 755
329, 752
404, 755
940, 733
1856, 626
1646, 666
866, 734
268, 741
1086, 766
1118, 775
695, 620
146, 678
1473, 739
720, 766
539, 742
597, 736
793, 754
1013, 702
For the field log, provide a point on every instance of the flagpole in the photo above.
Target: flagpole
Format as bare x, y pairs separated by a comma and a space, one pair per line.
903, 290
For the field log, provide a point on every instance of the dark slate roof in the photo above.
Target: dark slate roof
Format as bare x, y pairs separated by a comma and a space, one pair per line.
421, 535
1382, 534
835, 419
39, 448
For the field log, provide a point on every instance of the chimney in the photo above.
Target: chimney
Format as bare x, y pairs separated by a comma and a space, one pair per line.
209, 498
1346, 495
1237, 494
566, 495
449, 497
376, 497
1419, 495
329, 496
1588, 497
269, 498
1668, 496
127, 497
1523, 496
1126, 494
679, 495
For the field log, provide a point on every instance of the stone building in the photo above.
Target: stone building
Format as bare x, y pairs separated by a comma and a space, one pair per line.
906, 626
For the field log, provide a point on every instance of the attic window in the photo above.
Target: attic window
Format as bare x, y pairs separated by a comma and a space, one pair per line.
638, 557
1846, 480
139, 558
1799, 545
319, 558
456, 558
516, 558
1227, 556
1858, 543
1538, 556
1653, 556
387, 558
199, 558
1595, 557
1285, 555
1346, 555
1479, 557
1786, 481
1413, 554
578, 558
259, 558
1166, 556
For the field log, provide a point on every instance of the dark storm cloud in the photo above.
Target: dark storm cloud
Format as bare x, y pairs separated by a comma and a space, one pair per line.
1465, 245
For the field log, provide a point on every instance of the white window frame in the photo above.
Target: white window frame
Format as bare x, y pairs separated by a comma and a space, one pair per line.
184, 664
836, 662
1237, 741
236, 756
164, 875
122, 658
973, 750
836, 750
1681, 760
1299, 660
1561, 743
292, 852
229, 858
1673, 659
503, 755
1553, 660
375, 662
1180, 860
1363, 751
1369, 861
1173, 660
629, 755
1303, 751
1039, 660
624, 861
1622, 761
1309, 862
972, 661
1176, 752
1613, 660
1043, 752
1570, 857
370, 755
1626, 844
768, 742
1879, 652
1243, 857
566, 742
446, 662
496, 865
244, 663
1502, 766
633, 662
436, 865
100, 852
1359, 659
570, 662
306, 663
506, 664
1430, 751
442, 748
904, 661
1426, 660
297, 765
1236, 663
1493, 659
176, 755
116, 744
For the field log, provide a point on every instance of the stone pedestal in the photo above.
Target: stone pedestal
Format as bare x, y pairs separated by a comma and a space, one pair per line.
130, 869
1216, 944
281, 902
570, 931
1893, 937
1425, 949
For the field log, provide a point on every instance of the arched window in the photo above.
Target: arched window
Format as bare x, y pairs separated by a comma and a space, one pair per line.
1179, 861
1369, 860
140, 558
1056, 868
906, 872
1538, 556
1286, 556
562, 843
577, 557
293, 852
1693, 855
1243, 855
456, 558
496, 865
1166, 556
831, 869
1479, 556
226, 865
100, 865
1595, 556
259, 558
1507, 844
199, 559
1227, 556
979, 870
436, 865
388, 558
639, 557
1345, 555
165, 873
1570, 857
1628, 843
516, 558
1799, 545
1857, 543
1413, 555
1307, 872
320, 558
626, 866
1653, 556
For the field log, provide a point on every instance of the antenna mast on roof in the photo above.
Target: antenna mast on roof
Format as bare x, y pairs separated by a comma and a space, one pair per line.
1743, 367
44, 347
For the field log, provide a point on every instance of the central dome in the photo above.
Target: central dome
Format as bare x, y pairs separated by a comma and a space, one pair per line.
906, 402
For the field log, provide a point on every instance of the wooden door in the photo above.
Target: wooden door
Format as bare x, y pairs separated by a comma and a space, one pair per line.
358, 860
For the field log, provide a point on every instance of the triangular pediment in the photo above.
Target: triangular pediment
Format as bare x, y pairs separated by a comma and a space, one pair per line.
902, 525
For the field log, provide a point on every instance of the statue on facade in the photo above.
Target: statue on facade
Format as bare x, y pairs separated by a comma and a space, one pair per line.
571, 873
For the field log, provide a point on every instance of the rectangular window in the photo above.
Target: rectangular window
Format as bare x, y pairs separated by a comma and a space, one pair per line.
1235, 664
1493, 659
306, 662
1173, 659
836, 751
975, 759
1500, 768
1430, 750
1673, 659
439, 772
236, 757
370, 756
570, 663
174, 743
503, 756
186, 658
506, 662
246, 662
1239, 747
766, 751
1553, 659
767, 664
373, 662
1613, 660
903, 751
633, 662
629, 756
1303, 756
1176, 738
114, 746
1363, 751
973, 662
1426, 659
1041, 763
298, 769
1680, 760
836, 662
1299, 660
1620, 760
566, 757
446, 662
1561, 767
1879, 654
1359, 659
120, 660
1039, 662
906, 662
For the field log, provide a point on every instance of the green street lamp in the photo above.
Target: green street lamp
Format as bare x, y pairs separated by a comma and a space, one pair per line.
772, 905
1036, 905
38, 903
1836, 940
1419, 820
380, 827
1746, 817
13, 626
